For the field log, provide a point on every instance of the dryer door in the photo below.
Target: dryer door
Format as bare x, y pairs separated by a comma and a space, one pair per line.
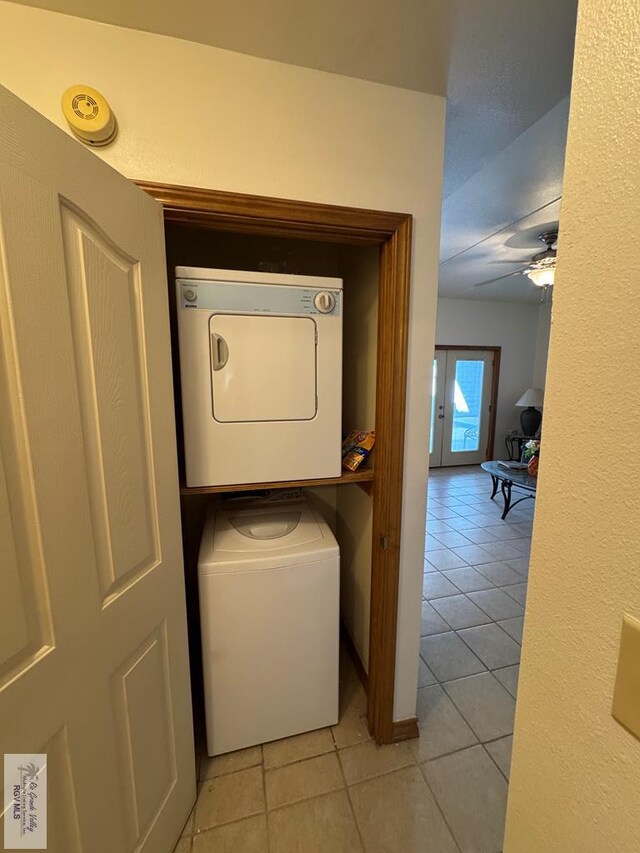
263, 368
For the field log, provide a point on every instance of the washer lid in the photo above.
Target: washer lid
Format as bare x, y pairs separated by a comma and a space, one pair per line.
264, 526
261, 537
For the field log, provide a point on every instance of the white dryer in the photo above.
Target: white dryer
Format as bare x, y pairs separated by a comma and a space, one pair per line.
269, 587
261, 375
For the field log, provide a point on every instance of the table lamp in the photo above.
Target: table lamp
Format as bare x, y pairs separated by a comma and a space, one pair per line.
530, 417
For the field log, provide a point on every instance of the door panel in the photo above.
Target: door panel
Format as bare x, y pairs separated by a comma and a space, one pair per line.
437, 408
467, 400
26, 629
145, 734
461, 406
104, 295
90, 512
21, 632
63, 821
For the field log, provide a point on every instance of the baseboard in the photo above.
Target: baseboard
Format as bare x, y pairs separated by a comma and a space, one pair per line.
355, 657
402, 729
405, 729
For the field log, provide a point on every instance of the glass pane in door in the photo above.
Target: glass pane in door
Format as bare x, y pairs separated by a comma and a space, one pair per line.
434, 378
467, 406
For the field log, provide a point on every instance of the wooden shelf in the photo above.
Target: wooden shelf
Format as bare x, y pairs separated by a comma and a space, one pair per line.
363, 478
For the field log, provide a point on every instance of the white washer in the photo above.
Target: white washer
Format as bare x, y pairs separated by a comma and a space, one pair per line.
261, 375
268, 578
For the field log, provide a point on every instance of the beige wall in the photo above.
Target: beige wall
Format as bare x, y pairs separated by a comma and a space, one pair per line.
543, 333
354, 508
518, 328
191, 114
575, 782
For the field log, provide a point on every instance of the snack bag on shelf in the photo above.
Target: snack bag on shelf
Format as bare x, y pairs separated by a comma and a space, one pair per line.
356, 448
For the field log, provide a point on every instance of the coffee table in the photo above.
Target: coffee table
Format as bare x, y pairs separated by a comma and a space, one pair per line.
508, 479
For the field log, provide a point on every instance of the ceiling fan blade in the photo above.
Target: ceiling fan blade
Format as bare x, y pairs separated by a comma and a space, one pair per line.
526, 262
499, 278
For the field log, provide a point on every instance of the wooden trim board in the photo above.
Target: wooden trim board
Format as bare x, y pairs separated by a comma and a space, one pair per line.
406, 729
391, 383
361, 477
495, 378
239, 213
392, 233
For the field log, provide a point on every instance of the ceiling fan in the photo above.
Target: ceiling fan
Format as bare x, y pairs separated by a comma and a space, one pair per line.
542, 268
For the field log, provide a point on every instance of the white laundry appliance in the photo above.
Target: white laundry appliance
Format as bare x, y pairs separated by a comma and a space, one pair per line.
261, 375
268, 578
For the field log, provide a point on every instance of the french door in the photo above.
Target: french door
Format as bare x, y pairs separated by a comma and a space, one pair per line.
463, 388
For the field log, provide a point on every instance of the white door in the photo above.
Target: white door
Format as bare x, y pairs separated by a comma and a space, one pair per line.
94, 666
462, 407
437, 408
263, 368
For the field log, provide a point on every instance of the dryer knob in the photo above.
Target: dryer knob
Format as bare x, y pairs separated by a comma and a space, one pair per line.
189, 295
324, 301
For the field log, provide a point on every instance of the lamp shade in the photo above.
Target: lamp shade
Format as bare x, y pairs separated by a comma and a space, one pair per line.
532, 397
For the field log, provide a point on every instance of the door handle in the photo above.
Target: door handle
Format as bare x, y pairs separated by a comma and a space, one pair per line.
219, 351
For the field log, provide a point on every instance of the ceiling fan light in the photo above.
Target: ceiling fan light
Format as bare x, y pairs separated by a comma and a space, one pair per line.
542, 277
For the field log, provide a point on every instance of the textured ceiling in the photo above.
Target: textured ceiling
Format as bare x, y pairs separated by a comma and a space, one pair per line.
505, 66
403, 44
490, 224
511, 63
507, 112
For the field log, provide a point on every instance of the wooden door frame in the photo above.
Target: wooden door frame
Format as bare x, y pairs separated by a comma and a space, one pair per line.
495, 378
391, 232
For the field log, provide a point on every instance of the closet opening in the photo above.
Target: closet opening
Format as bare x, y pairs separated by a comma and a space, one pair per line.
370, 251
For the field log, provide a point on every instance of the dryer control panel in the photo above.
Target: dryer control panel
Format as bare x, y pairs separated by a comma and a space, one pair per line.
247, 298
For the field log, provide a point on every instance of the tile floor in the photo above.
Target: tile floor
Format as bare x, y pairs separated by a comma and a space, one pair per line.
475, 586
333, 790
